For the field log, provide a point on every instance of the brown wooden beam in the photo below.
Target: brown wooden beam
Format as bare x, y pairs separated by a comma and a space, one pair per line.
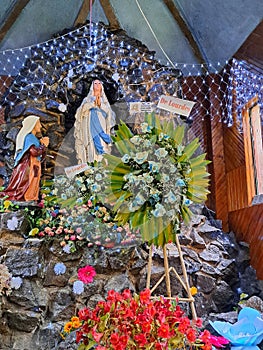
83, 12
110, 14
185, 29
11, 17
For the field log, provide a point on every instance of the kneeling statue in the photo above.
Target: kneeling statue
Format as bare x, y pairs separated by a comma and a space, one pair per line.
30, 152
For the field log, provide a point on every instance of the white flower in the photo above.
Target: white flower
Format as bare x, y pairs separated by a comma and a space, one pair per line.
139, 199
78, 287
171, 197
170, 213
160, 136
89, 181
145, 127
125, 158
16, 282
62, 107
55, 191
59, 269
135, 140
180, 182
83, 188
180, 149
165, 177
79, 200
98, 177
133, 207
147, 144
148, 178
12, 224
163, 136
161, 153
159, 210
172, 168
95, 188
153, 166
129, 177
89, 170
141, 157
79, 179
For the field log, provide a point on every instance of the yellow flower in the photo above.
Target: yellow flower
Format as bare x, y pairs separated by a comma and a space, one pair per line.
76, 324
193, 291
68, 327
7, 204
74, 318
34, 231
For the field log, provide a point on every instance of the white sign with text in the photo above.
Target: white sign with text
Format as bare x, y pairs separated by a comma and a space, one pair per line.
72, 171
175, 105
138, 107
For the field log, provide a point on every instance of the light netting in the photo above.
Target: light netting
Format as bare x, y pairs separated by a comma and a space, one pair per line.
36, 71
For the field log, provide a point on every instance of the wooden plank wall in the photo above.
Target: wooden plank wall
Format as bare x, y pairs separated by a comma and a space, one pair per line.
208, 128
235, 168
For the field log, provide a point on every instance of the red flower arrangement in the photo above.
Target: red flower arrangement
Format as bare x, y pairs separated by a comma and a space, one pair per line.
126, 322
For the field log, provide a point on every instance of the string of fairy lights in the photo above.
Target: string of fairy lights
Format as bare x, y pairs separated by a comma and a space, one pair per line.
88, 47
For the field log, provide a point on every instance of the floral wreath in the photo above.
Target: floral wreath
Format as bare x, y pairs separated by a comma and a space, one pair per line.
155, 179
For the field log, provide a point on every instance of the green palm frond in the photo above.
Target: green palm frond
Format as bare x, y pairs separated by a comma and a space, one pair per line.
122, 139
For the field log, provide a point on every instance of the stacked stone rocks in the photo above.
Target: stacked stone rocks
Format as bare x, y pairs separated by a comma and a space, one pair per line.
33, 315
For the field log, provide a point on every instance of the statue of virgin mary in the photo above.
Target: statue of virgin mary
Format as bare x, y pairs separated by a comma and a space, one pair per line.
93, 124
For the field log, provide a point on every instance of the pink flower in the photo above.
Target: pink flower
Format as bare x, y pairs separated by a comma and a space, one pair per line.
78, 229
72, 238
219, 342
41, 204
86, 274
96, 336
207, 337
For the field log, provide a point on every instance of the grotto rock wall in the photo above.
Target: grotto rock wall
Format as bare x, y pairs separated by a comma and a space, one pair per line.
57, 75
33, 314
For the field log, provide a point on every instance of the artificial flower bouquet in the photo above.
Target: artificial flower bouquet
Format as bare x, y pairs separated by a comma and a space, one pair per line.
71, 213
131, 322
